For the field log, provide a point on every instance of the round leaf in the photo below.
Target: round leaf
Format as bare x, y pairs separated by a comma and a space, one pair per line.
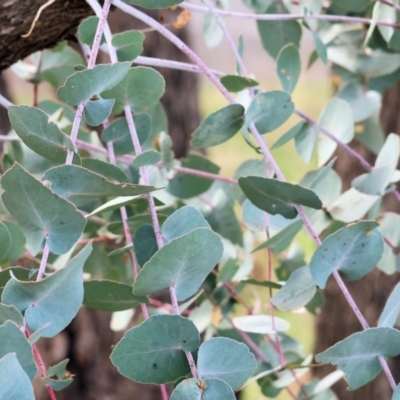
288, 66
208, 389
154, 351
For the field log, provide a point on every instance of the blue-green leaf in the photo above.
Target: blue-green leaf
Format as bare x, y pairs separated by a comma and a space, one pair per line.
82, 85
87, 30
219, 126
98, 110
14, 382
40, 301
149, 157
57, 376
13, 340
277, 197
207, 389
39, 134
225, 359
40, 212
10, 313
282, 239
269, 110
154, 4
353, 251
297, 292
154, 351
236, 83
145, 244
129, 44
183, 263
396, 393
390, 313
79, 185
181, 222
109, 171
288, 67
141, 88
108, 295
118, 133
358, 355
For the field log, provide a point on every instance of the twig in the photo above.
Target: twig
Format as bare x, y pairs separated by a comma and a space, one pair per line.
37, 16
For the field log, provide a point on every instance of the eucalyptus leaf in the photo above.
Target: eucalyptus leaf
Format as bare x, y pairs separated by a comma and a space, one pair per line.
79, 185
41, 135
154, 4
14, 382
277, 197
97, 111
141, 89
149, 157
145, 244
269, 110
225, 359
57, 376
5, 241
82, 85
219, 126
129, 44
17, 245
297, 291
358, 355
207, 389
40, 212
288, 66
353, 251
10, 313
87, 30
106, 295
13, 340
106, 169
154, 351
390, 313
235, 83
396, 393
183, 263
41, 301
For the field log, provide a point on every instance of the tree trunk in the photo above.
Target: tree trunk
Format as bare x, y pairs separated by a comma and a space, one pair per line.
88, 340
337, 321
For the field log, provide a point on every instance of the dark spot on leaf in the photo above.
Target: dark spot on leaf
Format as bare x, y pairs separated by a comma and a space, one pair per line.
344, 243
62, 223
363, 244
354, 262
154, 366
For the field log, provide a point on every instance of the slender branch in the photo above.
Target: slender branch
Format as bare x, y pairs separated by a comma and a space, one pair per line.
5, 102
287, 17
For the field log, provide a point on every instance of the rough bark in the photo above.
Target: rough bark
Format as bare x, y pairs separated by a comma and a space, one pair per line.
337, 320
88, 340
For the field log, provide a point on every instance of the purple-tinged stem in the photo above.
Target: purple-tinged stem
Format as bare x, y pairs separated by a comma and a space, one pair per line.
286, 17
5, 102
207, 175
43, 262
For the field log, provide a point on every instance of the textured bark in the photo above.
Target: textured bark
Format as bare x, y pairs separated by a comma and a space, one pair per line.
88, 339
337, 320
57, 22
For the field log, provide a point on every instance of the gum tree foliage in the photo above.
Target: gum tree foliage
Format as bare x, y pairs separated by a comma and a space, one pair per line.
70, 196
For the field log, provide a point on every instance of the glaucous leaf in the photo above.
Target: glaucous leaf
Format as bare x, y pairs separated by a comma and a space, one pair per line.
288, 67
129, 44
396, 393
40, 301
269, 110
149, 157
225, 359
186, 186
297, 291
79, 185
282, 239
182, 221
57, 376
108, 295
263, 324
390, 313
17, 245
207, 389
358, 355
13, 340
5, 241
109, 171
145, 244
352, 5
337, 118
97, 110
82, 85
141, 88
42, 136
118, 133
219, 126
10, 313
14, 382
87, 31
236, 83
41, 212
353, 251
212, 32
277, 197
183, 263
277, 34
154, 351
